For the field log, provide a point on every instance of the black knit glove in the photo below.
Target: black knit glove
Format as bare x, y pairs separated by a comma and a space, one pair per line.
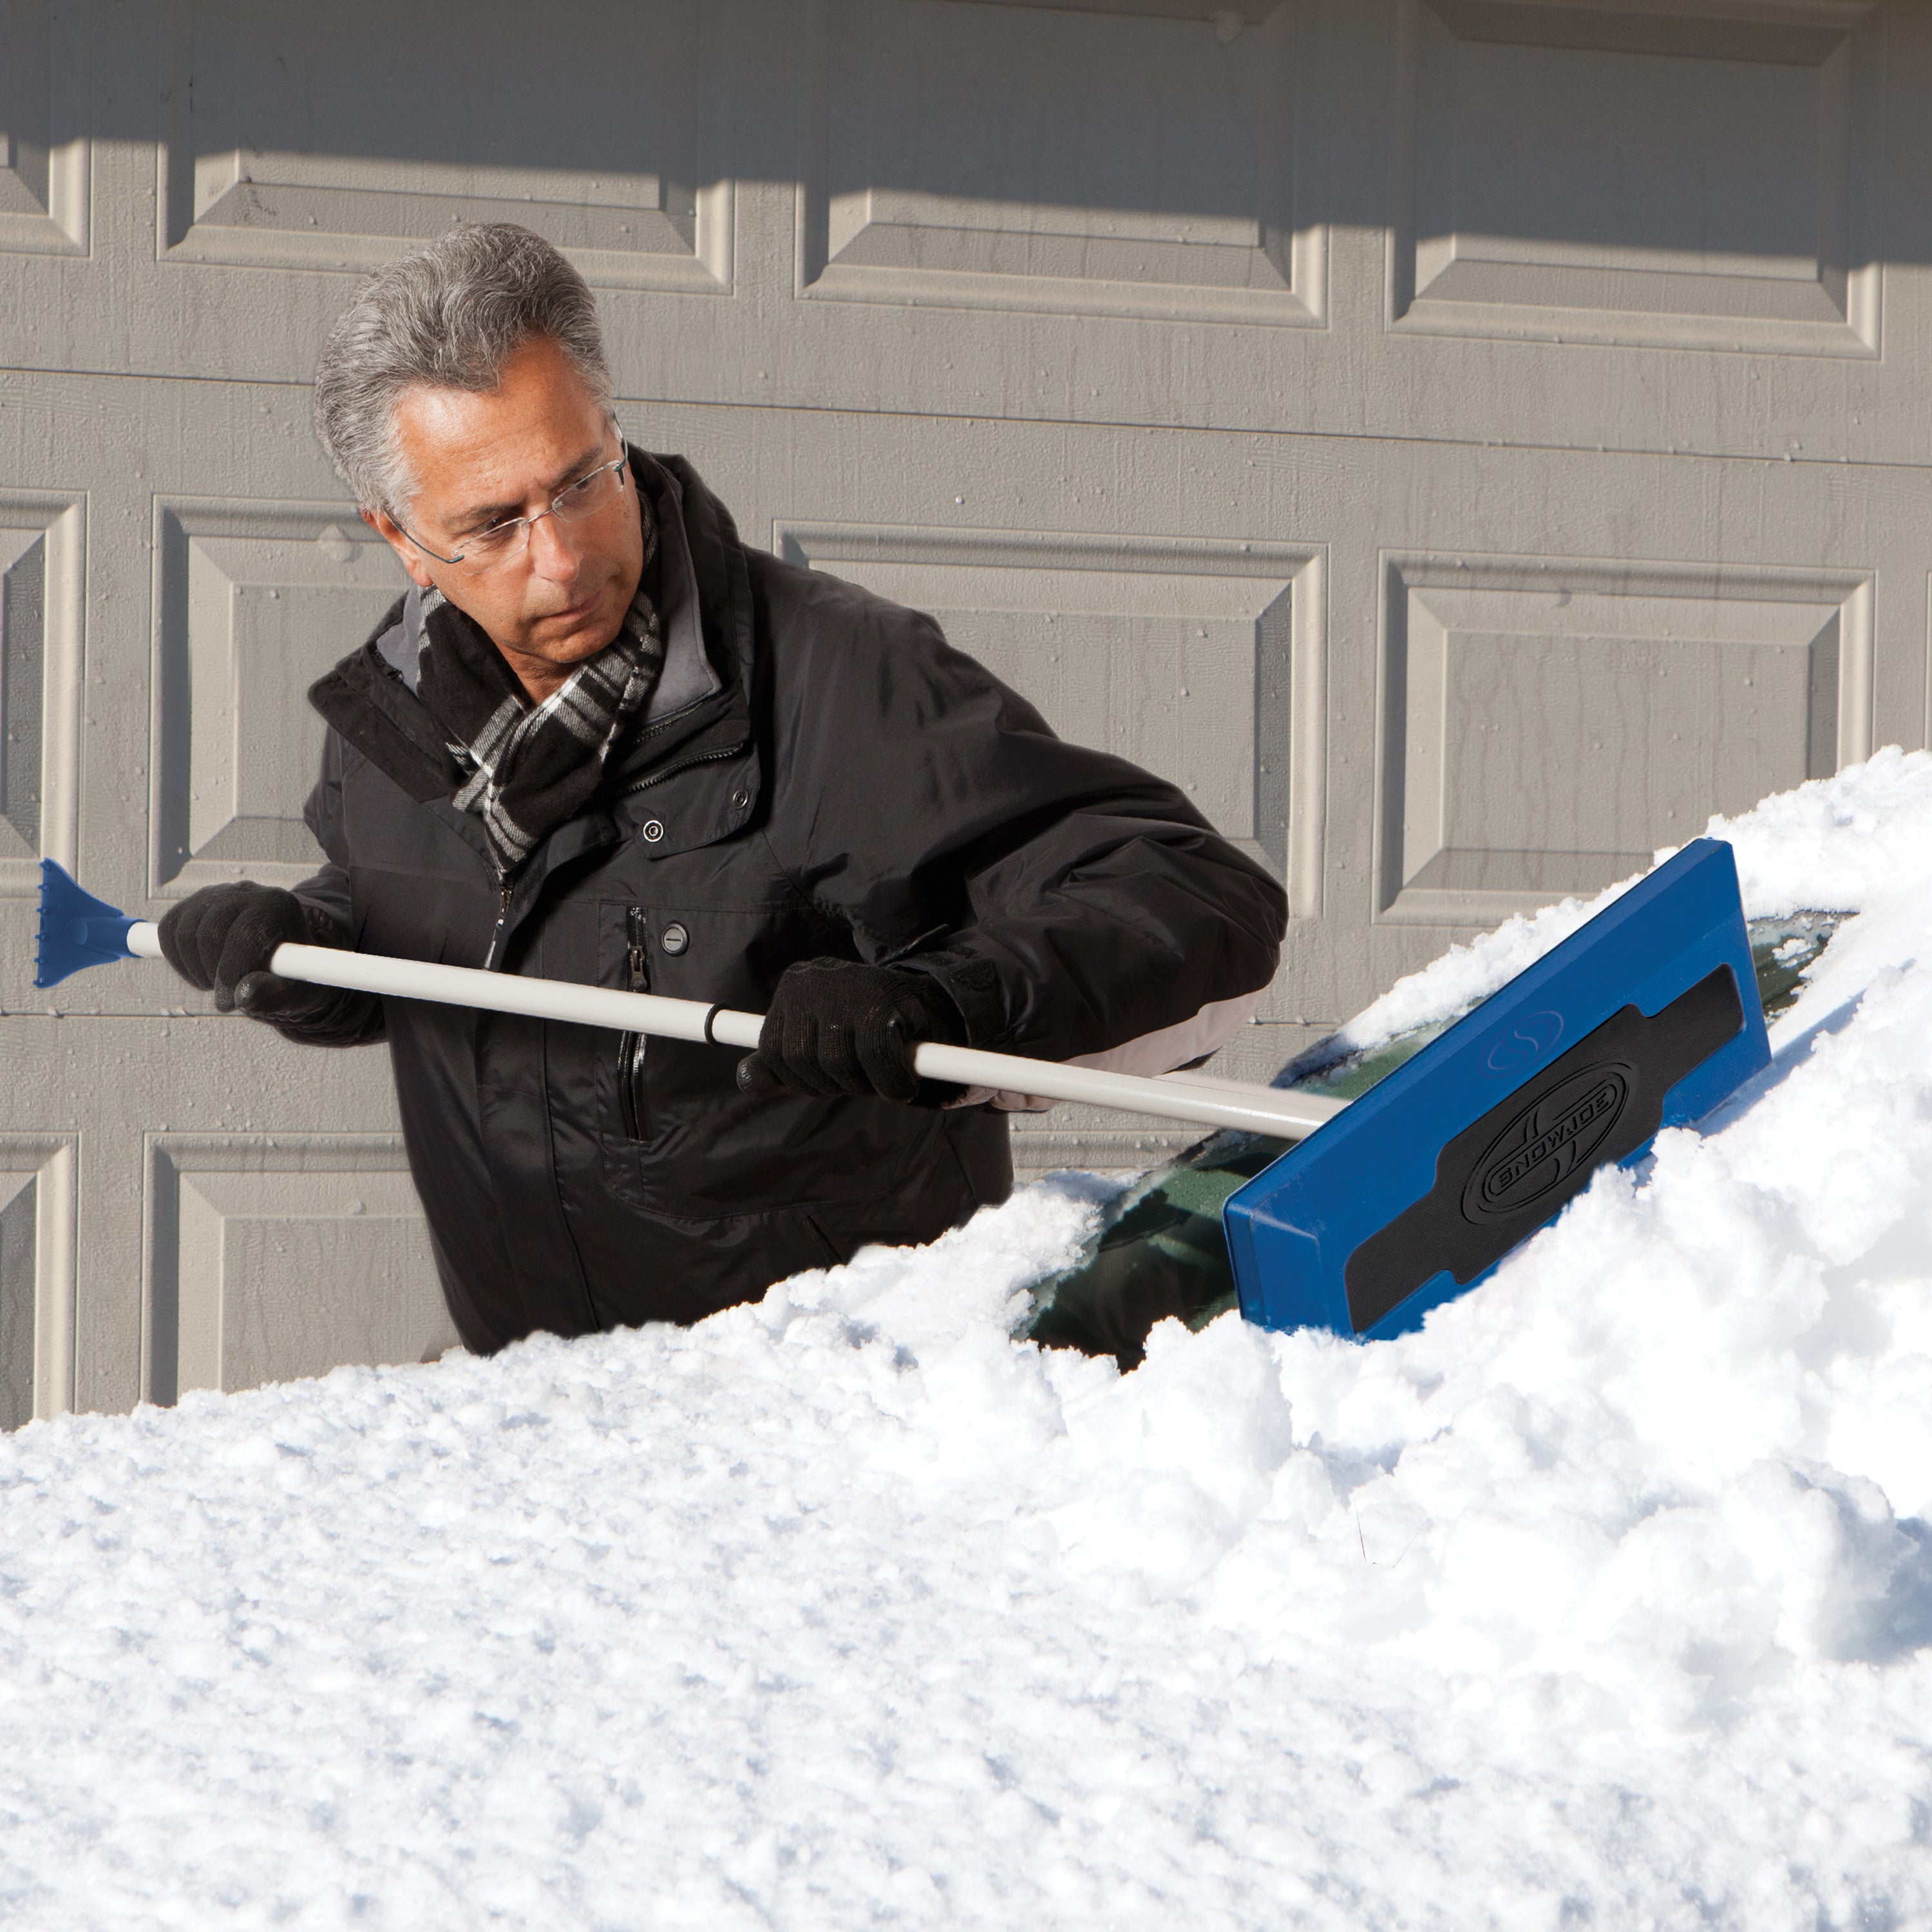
222, 938
837, 1026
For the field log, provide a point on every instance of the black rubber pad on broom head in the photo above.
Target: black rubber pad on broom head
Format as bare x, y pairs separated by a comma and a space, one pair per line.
1505, 1175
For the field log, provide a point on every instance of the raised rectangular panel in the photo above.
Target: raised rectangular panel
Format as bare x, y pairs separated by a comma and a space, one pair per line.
1548, 725
1188, 658
1690, 175
254, 602
44, 159
41, 617
270, 1259
1107, 163
36, 1276
23, 653
368, 158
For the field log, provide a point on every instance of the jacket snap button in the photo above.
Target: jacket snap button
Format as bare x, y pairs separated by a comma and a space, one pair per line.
674, 939
740, 798
653, 830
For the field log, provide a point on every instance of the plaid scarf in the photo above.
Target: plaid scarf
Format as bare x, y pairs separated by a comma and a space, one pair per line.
530, 767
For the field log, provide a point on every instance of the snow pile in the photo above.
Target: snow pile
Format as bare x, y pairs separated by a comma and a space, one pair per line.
1605, 1600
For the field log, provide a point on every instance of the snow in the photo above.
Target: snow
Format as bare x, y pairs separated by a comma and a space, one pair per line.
1606, 1599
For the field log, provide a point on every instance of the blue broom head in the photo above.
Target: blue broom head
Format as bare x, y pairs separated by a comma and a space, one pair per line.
76, 928
1645, 1018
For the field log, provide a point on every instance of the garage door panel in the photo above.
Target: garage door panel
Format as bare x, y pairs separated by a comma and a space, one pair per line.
274, 1259
1549, 725
363, 158
23, 689
44, 152
255, 602
1082, 161
1669, 177
38, 1174
93, 1110
41, 616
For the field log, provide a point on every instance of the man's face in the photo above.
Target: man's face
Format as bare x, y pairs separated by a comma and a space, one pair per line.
478, 459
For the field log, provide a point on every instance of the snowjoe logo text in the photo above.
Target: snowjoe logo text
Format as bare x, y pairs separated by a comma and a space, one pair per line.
1547, 1142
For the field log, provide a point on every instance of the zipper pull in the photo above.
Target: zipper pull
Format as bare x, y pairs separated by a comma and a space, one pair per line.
632, 1047
504, 889
637, 955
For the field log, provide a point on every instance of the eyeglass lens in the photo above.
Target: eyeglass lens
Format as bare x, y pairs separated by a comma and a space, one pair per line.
584, 499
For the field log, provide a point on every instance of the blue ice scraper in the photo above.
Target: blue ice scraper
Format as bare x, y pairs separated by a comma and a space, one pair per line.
1646, 1017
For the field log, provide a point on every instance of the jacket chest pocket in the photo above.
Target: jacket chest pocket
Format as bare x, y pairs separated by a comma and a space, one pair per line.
651, 941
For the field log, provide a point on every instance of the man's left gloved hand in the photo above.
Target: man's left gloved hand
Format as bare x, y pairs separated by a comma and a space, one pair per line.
221, 940
837, 1026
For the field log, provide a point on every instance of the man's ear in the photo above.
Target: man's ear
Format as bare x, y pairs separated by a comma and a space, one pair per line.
393, 534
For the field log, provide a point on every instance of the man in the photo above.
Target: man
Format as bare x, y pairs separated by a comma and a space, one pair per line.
600, 739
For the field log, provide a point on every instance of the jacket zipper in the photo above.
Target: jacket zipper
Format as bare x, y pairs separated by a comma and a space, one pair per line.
504, 890
672, 771
631, 1047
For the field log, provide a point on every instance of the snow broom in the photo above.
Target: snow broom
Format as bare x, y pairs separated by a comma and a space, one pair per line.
1645, 1018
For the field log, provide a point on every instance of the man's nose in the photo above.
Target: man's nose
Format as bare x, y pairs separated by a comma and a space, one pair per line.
552, 553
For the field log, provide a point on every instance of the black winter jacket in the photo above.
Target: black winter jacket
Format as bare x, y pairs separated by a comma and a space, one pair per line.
850, 786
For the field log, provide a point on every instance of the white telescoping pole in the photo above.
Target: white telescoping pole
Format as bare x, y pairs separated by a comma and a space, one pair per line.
1206, 1101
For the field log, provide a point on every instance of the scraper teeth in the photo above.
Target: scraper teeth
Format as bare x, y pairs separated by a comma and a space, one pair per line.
77, 930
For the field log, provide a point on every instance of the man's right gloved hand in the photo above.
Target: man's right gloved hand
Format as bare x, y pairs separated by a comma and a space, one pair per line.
222, 938
838, 1026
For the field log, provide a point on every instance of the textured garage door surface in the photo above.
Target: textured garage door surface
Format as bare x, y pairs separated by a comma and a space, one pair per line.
1464, 442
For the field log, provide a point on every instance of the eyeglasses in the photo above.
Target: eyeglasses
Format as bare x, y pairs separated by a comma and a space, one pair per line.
502, 541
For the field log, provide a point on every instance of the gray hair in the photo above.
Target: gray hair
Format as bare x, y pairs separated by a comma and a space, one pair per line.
449, 316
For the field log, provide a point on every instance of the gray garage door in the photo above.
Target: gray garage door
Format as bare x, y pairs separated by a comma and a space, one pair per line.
1464, 442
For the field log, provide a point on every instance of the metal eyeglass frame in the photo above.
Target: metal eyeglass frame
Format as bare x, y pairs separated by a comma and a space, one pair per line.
528, 522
